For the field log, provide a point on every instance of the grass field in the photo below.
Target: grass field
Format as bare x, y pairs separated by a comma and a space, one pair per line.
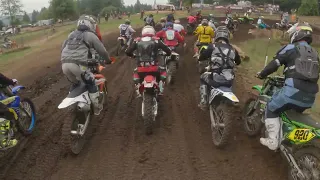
256, 50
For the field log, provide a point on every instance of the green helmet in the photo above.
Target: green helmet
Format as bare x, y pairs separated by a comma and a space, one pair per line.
127, 21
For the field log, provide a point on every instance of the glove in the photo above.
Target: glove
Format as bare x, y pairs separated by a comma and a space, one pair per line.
15, 81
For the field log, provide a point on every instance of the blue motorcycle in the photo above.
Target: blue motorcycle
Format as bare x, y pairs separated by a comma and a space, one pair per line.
23, 111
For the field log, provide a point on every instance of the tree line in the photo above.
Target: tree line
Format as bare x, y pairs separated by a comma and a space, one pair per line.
68, 9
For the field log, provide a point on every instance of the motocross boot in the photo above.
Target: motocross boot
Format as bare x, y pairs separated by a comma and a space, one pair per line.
5, 129
97, 107
203, 97
273, 128
161, 87
137, 87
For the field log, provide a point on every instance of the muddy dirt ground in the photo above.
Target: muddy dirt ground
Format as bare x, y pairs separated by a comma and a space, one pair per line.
180, 148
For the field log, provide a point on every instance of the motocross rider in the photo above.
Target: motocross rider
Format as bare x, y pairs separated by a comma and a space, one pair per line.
149, 20
223, 58
179, 28
199, 16
6, 117
77, 50
147, 47
261, 24
192, 21
126, 31
169, 36
205, 34
159, 26
301, 73
170, 18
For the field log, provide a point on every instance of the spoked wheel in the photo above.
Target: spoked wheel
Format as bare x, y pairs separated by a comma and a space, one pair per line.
27, 118
308, 160
221, 124
119, 48
74, 130
171, 72
252, 118
149, 111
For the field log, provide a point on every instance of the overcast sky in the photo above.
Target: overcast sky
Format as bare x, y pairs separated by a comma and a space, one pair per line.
30, 5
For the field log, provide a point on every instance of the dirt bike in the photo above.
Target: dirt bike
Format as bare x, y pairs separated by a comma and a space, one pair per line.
121, 45
149, 89
190, 29
221, 102
281, 27
23, 111
172, 64
299, 133
80, 110
244, 20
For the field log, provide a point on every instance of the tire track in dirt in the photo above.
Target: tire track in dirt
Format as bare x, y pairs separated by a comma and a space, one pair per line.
117, 148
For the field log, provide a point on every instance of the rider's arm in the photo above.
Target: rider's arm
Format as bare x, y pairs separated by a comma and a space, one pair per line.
95, 43
206, 53
131, 49
165, 48
179, 37
5, 80
197, 31
211, 32
131, 29
280, 59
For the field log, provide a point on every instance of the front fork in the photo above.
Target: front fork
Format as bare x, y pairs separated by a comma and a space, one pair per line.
295, 170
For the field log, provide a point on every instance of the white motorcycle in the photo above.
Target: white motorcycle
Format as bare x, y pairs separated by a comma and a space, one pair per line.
80, 113
221, 102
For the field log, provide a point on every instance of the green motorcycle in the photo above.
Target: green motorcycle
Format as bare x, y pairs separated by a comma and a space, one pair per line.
246, 20
299, 133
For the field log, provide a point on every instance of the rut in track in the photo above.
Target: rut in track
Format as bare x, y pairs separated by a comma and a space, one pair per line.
180, 148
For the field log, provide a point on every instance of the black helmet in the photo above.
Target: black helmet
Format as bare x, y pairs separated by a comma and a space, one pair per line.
222, 33
301, 31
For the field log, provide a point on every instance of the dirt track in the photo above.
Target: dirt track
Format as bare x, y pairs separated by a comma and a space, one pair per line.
180, 148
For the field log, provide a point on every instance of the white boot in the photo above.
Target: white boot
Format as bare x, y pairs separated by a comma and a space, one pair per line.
94, 97
203, 97
273, 128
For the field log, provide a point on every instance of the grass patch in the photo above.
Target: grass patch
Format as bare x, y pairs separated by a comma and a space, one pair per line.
6, 57
256, 50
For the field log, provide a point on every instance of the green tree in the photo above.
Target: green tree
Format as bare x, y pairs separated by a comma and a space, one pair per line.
1, 25
10, 8
309, 8
45, 14
62, 9
26, 17
137, 6
34, 16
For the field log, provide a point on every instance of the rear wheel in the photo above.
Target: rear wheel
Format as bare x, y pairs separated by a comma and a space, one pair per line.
171, 72
27, 117
148, 105
252, 119
308, 160
74, 142
221, 116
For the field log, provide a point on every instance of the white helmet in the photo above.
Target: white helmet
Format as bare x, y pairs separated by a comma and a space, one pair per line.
177, 21
148, 31
88, 21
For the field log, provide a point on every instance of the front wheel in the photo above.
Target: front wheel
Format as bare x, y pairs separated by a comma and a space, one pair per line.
308, 160
252, 119
27, 118
119, 48
73, 124
171, 72
221, 123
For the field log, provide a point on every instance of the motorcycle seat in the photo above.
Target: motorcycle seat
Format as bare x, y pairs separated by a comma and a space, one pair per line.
303, 118
225, 89
77, 91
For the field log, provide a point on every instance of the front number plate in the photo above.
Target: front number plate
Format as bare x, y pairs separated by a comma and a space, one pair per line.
301, 135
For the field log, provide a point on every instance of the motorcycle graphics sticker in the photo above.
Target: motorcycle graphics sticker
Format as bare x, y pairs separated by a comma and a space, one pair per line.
301, 135
214, 93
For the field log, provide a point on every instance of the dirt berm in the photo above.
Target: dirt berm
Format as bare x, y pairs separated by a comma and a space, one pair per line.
118, 149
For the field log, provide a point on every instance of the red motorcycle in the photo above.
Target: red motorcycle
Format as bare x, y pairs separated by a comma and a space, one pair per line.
149, 89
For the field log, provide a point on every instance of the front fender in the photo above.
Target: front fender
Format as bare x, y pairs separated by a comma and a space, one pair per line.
16, 89
258, 88
230, 96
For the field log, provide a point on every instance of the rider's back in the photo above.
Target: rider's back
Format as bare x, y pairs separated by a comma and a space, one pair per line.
204, 33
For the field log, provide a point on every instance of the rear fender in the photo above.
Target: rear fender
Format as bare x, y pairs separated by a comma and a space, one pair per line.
149, 82
258, 88
84, 98
16, 89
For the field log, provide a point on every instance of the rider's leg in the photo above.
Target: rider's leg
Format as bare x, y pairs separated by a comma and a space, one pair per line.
163, 77
283, 100
204, 79
73, 74
136, 80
